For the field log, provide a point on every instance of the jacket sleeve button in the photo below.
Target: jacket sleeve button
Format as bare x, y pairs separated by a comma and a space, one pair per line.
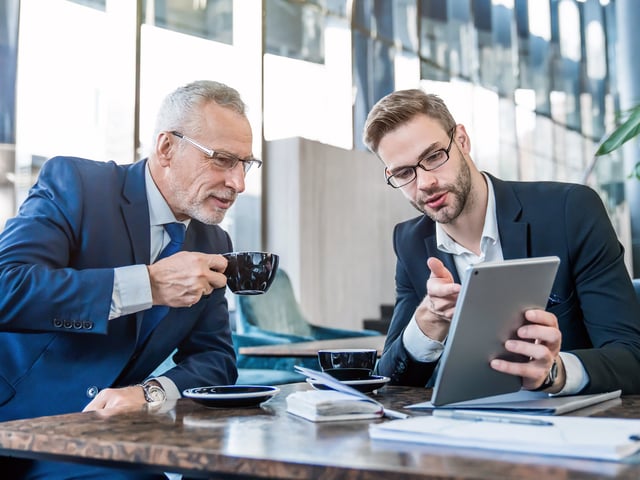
92, 391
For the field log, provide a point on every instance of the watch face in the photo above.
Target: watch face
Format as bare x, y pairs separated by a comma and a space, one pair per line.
155, 393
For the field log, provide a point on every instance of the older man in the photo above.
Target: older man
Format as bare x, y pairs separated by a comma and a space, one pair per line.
109, 268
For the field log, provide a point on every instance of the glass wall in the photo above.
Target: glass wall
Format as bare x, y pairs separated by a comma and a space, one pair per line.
537, 74
208, 19
8, 63
90, 83
533, 80
307, 72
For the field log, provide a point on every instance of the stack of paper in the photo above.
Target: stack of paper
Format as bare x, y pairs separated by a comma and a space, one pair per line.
327, 405
586, 437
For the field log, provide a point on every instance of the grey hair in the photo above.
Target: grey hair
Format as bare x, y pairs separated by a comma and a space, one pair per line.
182, 107
400, 107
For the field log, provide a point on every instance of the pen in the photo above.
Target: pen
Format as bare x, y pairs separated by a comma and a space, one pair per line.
394, 414
488, 417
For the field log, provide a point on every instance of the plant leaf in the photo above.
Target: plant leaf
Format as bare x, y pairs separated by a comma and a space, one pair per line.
627, 130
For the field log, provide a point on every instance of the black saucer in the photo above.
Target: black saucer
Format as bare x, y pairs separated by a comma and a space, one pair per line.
231, 396
367, 385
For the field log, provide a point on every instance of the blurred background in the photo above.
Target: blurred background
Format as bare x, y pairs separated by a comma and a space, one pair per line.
537, 83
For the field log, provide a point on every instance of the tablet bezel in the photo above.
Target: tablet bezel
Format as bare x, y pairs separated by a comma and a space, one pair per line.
489, 310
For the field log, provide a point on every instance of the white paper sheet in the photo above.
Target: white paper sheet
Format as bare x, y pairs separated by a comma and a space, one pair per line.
584, 437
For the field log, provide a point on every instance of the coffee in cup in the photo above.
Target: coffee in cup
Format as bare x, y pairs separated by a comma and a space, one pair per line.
250, 273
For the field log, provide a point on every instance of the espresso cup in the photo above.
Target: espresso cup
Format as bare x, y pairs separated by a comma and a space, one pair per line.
348, 363
250, 273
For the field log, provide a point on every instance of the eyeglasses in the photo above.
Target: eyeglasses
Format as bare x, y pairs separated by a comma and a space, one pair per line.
405, 175
222, 160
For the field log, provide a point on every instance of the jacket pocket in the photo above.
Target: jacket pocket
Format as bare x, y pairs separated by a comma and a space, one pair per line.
560, 304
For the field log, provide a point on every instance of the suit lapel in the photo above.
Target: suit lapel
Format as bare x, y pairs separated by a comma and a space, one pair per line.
432, 251
513, 232
135, 211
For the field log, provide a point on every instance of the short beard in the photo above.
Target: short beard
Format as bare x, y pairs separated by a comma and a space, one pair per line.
193, 207
196, 212
460, 190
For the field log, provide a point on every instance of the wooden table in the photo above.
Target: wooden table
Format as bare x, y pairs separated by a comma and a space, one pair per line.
267, 442
310, 349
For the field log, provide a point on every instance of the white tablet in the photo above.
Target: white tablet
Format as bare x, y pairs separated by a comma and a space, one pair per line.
490, 308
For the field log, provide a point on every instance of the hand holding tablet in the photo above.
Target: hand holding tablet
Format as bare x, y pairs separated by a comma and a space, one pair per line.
490, 309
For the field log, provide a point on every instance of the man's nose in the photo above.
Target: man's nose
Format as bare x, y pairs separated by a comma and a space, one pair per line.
425, 178
234, 178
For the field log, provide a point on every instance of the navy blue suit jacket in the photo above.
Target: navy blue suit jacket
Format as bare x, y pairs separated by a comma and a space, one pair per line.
592, 296
57, 258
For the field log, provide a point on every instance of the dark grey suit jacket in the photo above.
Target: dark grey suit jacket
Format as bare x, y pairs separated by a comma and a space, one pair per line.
592, 296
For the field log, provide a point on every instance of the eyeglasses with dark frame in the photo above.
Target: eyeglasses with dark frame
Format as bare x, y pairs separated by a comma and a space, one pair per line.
405, 175
222, 160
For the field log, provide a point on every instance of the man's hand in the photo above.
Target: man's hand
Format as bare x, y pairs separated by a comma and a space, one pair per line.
117, 398
540, 342
435, 312
182, 279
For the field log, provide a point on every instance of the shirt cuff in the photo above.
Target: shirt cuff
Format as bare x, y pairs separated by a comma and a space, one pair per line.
576, 375
169, 388
420, 347
131, 291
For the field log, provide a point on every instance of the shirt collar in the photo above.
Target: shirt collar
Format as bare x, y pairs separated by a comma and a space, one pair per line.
489, 232
159, 211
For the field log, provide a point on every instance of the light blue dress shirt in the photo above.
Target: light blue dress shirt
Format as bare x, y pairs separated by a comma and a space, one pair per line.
131, 284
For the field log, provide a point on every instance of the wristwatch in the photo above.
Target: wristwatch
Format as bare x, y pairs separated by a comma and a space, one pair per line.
153, 392
551, 377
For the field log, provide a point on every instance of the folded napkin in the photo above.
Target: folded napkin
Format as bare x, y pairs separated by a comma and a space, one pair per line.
330, 405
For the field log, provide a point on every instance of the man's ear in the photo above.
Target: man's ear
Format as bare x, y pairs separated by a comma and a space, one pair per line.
164, 149
462, 139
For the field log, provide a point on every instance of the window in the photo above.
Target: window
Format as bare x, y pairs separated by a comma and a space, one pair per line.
210, 19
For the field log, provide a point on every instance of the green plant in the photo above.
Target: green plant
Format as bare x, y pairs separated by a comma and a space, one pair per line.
627, 130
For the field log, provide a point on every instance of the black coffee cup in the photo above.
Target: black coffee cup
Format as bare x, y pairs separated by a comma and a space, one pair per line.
250, 273
348, 363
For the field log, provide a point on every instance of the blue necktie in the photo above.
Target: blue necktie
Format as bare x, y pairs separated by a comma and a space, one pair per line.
153, 316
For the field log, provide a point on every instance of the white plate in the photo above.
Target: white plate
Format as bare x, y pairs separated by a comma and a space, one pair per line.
231, 396
374, 382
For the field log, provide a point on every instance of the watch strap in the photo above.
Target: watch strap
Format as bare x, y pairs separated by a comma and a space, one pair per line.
551, 378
